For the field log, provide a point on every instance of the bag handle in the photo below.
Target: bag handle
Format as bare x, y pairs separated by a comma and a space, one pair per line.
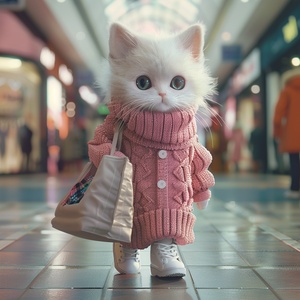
117, 140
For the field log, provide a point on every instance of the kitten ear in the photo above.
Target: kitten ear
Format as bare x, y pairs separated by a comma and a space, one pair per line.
193, 39
121, 41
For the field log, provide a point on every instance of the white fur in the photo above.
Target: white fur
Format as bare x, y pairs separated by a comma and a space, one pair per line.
161, 58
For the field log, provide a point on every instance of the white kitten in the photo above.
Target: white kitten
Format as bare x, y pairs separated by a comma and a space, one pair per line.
159, 73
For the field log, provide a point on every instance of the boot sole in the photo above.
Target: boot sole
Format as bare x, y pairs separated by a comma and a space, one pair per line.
178, 272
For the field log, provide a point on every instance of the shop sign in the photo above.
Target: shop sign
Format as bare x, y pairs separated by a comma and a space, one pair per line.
281, 39
290, 30
232, 53
247, 72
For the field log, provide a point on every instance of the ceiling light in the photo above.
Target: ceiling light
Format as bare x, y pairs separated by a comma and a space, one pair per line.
255, 89
10, 63
65, 75
88, 95
70, 113
295, 61
47, 58
54, 92
226, 36
71, 106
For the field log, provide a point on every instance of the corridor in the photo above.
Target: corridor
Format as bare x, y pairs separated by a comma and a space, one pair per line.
247, 247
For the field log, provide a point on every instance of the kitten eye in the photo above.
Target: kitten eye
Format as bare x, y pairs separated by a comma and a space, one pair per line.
143, 82
177, 83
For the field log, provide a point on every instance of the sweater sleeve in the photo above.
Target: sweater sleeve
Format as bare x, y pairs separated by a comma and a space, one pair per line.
101, 144
202, 178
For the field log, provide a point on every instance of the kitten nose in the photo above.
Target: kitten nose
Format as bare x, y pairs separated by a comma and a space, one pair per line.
162, 94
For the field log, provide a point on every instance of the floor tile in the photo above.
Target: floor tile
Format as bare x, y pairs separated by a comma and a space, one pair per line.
23, 246
46, 236
204, 228
17, 278
78, 244
216, 246
261, 246
288, 294
294, 234
5, 243
81, 258
248, 236
202, 237
62, 278
25, 258
10, 294
150, 294
65, 294
281, 278
236, 294
145, 280
218, 278
267, 259
236, 228
213, 259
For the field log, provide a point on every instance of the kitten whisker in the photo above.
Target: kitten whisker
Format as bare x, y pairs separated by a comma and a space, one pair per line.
218, 118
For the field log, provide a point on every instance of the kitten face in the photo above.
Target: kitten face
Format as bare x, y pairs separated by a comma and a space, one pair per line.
160, 73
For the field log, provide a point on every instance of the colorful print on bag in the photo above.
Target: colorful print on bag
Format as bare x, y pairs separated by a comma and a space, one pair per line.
78, 190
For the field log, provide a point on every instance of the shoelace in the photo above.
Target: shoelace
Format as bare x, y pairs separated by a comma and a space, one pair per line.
130, 253
168, 251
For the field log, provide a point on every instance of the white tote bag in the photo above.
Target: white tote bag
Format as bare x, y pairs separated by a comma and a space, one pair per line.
104, 210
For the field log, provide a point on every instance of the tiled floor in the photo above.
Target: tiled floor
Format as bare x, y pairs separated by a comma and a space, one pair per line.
247, 247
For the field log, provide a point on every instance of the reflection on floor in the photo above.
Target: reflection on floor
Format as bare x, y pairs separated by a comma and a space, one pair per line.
247, 247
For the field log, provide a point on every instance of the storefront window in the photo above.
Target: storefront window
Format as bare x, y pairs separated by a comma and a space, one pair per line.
20, 130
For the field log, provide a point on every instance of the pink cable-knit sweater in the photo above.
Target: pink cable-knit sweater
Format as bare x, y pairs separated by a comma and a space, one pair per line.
169, 170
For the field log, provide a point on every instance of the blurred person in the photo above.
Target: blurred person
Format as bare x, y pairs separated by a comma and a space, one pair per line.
25, 139
237, 141
3, 134
256, 146
280, 169
54, 147
286, 124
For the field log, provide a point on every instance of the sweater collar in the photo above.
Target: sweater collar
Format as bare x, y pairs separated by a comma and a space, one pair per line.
163, 128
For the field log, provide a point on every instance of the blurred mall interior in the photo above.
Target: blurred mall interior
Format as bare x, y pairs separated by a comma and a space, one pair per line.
51, 53
50, 60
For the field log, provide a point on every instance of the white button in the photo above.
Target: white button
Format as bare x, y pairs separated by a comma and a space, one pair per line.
161, 184
162, 154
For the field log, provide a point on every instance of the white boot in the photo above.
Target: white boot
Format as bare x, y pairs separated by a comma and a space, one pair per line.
165, 261
127, 260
